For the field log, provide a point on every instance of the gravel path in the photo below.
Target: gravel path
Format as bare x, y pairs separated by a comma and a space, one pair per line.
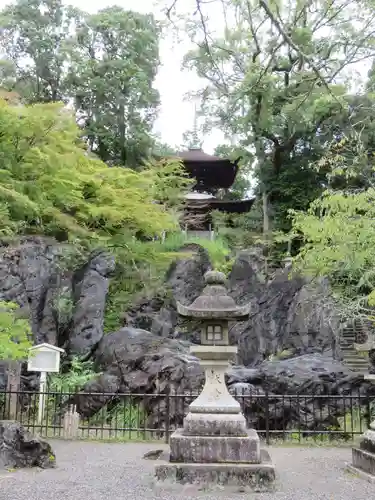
101, 471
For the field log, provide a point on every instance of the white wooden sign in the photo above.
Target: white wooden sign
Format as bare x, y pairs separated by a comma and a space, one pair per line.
44, 358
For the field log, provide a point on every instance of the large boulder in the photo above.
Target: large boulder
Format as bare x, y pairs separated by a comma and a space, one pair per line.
90, 289
136, 361
288, 313
308, 392
20, 449
28, 270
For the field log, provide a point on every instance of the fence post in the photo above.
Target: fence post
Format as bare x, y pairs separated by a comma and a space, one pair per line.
267, 418
167, 414
71, 423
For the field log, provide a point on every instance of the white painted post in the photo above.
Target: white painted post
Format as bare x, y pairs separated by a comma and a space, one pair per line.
42, 396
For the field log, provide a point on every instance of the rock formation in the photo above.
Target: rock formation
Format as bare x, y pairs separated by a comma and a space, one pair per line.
20, 449
183, 283
32, 276
289, 313
135, 361
65, 308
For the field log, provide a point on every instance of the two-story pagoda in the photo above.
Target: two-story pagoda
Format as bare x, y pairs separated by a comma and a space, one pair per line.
211, 174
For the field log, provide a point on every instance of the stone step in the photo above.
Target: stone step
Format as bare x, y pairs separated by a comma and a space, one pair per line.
363, 460
351, 358
357, 368
214, 449
356, 361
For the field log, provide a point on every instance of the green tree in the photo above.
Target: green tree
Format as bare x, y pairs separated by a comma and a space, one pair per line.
114, 61
15, 333
275, 77
242, 185
35, 36
162, 150
338, 229
190, 140
104, 63
51, 185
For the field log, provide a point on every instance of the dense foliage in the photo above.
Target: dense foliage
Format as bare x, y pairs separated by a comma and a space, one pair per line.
104, 63
51, 185
277, 77
339, 227
15, 333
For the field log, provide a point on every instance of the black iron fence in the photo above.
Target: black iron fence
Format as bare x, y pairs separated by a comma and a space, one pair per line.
131, 416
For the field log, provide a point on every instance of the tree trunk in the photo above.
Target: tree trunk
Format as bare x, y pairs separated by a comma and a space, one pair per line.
266, 215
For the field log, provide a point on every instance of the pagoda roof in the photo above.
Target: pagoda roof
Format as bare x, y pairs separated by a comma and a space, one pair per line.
209, 170
195, 154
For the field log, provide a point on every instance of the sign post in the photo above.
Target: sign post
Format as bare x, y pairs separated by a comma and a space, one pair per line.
44, 358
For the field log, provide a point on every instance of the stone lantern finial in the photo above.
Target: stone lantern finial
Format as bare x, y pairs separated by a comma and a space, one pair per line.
215, 278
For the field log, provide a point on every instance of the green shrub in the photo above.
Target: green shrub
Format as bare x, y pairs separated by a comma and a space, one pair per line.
15, 333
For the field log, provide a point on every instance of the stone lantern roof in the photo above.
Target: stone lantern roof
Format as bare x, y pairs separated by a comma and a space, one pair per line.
214, 302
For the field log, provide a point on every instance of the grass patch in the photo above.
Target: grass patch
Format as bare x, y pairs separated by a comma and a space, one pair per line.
217, 249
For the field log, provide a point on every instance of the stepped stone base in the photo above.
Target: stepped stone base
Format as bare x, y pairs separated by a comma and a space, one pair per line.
363, 458
214, 449
241, 477
215, 424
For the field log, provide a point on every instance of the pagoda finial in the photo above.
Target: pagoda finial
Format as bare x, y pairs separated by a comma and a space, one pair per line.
196, 142
191, 137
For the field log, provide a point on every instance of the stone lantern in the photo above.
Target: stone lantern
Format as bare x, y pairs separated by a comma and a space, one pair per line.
215, 447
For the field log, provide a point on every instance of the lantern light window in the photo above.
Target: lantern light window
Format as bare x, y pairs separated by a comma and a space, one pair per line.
214, 333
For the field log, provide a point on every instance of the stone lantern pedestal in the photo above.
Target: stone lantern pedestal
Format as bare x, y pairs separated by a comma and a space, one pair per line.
363, 457
214, 447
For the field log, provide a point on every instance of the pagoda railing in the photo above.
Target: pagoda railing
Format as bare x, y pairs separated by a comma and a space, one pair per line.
208, 235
